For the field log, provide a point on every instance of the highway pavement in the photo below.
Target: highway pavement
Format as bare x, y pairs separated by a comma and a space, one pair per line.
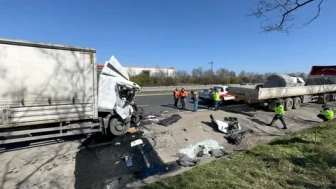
160, 103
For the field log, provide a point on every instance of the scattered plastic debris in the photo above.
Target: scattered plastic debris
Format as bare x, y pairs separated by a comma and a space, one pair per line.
117, 143
153, 120
128, 160
193, 149
217, 153
117, 162
229, 124
172, 119
185, 161
151, 117
235, 136
199, 127
136, 142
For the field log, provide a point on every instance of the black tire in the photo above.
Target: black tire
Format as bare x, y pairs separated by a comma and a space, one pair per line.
117, 127
297, 103
288, 104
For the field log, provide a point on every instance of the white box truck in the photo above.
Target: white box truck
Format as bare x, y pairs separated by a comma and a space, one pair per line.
49, 91
290, 96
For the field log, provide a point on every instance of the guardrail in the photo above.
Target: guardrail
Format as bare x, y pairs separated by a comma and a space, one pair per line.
171, 88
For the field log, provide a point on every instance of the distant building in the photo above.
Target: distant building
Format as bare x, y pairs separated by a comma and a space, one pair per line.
164, 72
133, 71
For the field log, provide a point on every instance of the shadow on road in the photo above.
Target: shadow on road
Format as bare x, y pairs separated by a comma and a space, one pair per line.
101, 166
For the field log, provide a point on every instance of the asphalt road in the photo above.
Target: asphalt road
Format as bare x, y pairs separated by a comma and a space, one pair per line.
160, 103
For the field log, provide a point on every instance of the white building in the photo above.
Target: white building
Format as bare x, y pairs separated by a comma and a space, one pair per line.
133, 71
164, 72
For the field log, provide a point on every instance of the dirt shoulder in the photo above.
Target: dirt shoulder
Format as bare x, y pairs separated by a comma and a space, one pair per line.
195, 127
65, 165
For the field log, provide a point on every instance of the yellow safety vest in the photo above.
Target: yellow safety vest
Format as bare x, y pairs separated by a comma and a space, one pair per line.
280, 110
195, 95
329, 114
216, 96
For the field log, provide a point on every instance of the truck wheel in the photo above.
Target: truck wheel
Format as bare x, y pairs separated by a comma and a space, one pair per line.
288, 104
297, 103
117, 127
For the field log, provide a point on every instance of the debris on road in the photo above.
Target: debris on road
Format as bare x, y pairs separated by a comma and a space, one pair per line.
229, 124
217, 153
136, 142
168, 121
117, 143
185, 161
193, 149
235, 136
128, 160
132, 130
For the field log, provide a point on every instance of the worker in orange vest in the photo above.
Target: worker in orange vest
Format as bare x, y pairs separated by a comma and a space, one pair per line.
183, 96
176, 97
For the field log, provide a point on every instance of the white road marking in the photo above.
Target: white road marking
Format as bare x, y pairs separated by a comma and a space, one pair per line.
163, 94
142, 105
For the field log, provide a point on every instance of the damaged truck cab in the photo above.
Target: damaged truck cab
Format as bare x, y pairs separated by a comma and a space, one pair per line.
50, 91
115, 97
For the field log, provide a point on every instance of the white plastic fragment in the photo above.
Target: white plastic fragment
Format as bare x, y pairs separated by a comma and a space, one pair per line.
192, 149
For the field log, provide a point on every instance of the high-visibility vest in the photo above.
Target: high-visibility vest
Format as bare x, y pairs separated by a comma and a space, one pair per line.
280, 110
216, 96
176, 94
195, 95
184, 94
329, 114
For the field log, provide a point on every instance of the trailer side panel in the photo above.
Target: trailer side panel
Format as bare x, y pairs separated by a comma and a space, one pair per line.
43, 83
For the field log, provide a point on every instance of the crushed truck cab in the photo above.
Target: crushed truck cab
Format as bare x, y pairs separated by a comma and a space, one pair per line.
51, 91
115, 97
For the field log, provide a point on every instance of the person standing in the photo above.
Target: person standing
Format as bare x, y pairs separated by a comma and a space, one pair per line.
176, 97
196, 98
326, 114
279, 113
210, 101
216, 98
183, 96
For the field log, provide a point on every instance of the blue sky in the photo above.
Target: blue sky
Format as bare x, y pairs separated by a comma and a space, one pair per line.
174, 33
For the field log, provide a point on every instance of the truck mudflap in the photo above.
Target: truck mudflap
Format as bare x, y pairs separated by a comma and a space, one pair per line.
25, 134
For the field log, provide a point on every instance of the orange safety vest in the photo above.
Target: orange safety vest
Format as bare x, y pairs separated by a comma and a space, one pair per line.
176, 94
184, 94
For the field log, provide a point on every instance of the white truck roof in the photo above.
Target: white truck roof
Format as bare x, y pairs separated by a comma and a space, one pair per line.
45, 45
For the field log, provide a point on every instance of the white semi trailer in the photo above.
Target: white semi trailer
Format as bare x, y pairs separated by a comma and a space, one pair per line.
291, 97
49, 91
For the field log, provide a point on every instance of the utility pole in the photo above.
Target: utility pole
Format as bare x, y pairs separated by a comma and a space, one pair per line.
211, 67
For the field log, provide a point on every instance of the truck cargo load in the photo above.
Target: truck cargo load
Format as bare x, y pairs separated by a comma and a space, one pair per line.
322, 75
282, 80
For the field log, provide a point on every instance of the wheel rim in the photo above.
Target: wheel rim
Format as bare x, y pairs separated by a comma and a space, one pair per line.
119, 127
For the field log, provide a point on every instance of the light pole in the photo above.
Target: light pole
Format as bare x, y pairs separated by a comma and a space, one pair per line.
211, 67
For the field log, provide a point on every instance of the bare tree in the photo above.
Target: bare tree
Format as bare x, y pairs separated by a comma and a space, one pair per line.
197, 72
181, 74
285, 9
223, 73
208, 73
